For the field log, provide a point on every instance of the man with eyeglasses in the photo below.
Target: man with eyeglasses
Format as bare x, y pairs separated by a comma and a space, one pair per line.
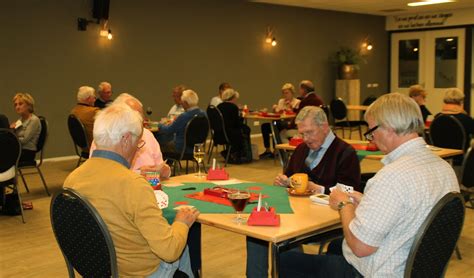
381, 224
142, 237
326, 159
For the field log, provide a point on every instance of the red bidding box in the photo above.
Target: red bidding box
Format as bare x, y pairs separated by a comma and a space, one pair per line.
217, 174
263, 218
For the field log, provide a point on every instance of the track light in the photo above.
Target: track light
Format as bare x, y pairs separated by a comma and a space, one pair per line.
269, 38
274, 42
109, 35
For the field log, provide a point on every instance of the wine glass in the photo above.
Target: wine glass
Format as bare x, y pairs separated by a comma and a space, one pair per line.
239, 200
199, 156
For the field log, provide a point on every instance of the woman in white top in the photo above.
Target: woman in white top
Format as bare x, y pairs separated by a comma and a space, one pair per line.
218, 99
287, 103
28, 127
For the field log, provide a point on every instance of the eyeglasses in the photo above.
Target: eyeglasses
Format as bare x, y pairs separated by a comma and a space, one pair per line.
308, 133
369, 135
141, 144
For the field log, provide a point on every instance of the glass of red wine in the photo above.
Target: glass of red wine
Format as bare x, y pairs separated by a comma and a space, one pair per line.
239, 200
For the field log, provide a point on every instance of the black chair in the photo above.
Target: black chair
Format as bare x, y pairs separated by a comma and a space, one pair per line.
79, 138
82, 236
10, 148
195, 132
22, 165
218, 132
339, 113
284, 155
447, 132
467, 177
436, 238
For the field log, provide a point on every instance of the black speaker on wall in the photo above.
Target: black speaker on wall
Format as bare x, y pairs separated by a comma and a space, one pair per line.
101, 9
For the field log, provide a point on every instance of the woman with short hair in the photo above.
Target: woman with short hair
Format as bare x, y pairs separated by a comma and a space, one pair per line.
27, 127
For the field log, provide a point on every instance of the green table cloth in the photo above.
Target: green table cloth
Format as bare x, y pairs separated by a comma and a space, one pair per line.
277, 198
362, 154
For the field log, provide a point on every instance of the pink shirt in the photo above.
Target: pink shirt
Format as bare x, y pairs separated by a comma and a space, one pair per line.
149, 155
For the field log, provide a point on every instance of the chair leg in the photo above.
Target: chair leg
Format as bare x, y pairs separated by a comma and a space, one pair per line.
227, 156
458, 253
44, 182
24, 181
187, 165
211, 148
78, 162
21, 202
360, 132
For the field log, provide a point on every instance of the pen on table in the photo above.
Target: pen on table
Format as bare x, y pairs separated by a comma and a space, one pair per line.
259, 201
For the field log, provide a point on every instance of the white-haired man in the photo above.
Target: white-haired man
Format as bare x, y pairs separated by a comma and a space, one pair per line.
105, 95
142, 236
171, 137
148, 158
85, 110
380, 225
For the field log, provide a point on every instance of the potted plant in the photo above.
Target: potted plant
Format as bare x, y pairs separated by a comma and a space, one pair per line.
347, 61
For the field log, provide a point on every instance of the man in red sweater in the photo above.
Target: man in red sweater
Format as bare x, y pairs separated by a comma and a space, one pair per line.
325, 158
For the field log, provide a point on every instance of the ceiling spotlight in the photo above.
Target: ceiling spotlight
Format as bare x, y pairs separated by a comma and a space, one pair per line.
109, 35
429, 2
369, 46
274, 42
268, 40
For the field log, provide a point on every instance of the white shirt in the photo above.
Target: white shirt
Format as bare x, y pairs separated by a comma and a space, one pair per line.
396, 202
283, 106
215, 101
175, 111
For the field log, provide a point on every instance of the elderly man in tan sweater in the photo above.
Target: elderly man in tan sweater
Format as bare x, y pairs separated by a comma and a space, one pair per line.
142, 237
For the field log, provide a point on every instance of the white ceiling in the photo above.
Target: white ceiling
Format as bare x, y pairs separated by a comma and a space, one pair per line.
374, 7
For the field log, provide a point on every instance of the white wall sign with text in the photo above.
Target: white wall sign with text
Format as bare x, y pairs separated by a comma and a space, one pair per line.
430, 20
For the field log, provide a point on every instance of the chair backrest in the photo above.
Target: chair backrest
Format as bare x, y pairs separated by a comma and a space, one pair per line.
369, 100
338, 109
196, 132
77, 132
10, 148
447, 132
216, 120
42, 137
326, 110
82, 235
436, 238
467, 175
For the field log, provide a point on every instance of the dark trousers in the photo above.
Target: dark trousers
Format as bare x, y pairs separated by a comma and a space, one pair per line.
266, 131
294, 263
194, 244
27, 155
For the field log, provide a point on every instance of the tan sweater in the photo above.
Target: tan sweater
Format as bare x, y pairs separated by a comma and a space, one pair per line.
142, 236
86, 114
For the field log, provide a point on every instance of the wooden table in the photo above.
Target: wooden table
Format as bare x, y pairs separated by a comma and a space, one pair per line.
307, 220
357, 107
442, 152
268, 118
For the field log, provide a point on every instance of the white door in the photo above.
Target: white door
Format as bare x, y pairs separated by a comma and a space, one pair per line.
433, 59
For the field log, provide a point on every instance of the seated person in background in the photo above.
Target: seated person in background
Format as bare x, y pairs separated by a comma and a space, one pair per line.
417, 93
308, 98
325, 158
379, 226
4, 123
148, 157
27, 127
218, 99
454, 105
177, 109
235, 128
171, 137
105, 95
287, 103
141, 235
85, 110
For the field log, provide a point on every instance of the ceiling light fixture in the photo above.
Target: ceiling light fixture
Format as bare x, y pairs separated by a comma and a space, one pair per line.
429, 2
109, 35
269, 38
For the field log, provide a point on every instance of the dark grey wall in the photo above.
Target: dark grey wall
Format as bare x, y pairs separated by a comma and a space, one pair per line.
159, 44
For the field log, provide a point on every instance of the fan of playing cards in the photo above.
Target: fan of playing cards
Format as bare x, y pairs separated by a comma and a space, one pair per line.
323, 199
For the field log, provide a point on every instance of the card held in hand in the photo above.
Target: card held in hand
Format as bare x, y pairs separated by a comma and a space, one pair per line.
161, 198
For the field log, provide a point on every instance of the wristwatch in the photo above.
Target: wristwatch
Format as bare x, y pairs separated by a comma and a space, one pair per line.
342, 204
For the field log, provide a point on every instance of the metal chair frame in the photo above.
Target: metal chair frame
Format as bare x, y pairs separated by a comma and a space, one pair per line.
212, 144
77, 147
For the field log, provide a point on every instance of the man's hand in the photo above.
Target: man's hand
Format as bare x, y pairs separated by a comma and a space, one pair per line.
162, 168
356, 197
336, 197
187, 215
282, 180
316, 188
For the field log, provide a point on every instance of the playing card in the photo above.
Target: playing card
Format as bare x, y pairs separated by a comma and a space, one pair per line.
343, 188
161, 198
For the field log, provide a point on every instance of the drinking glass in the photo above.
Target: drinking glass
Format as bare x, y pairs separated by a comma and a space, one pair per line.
239, 200
199, 156
149, 111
